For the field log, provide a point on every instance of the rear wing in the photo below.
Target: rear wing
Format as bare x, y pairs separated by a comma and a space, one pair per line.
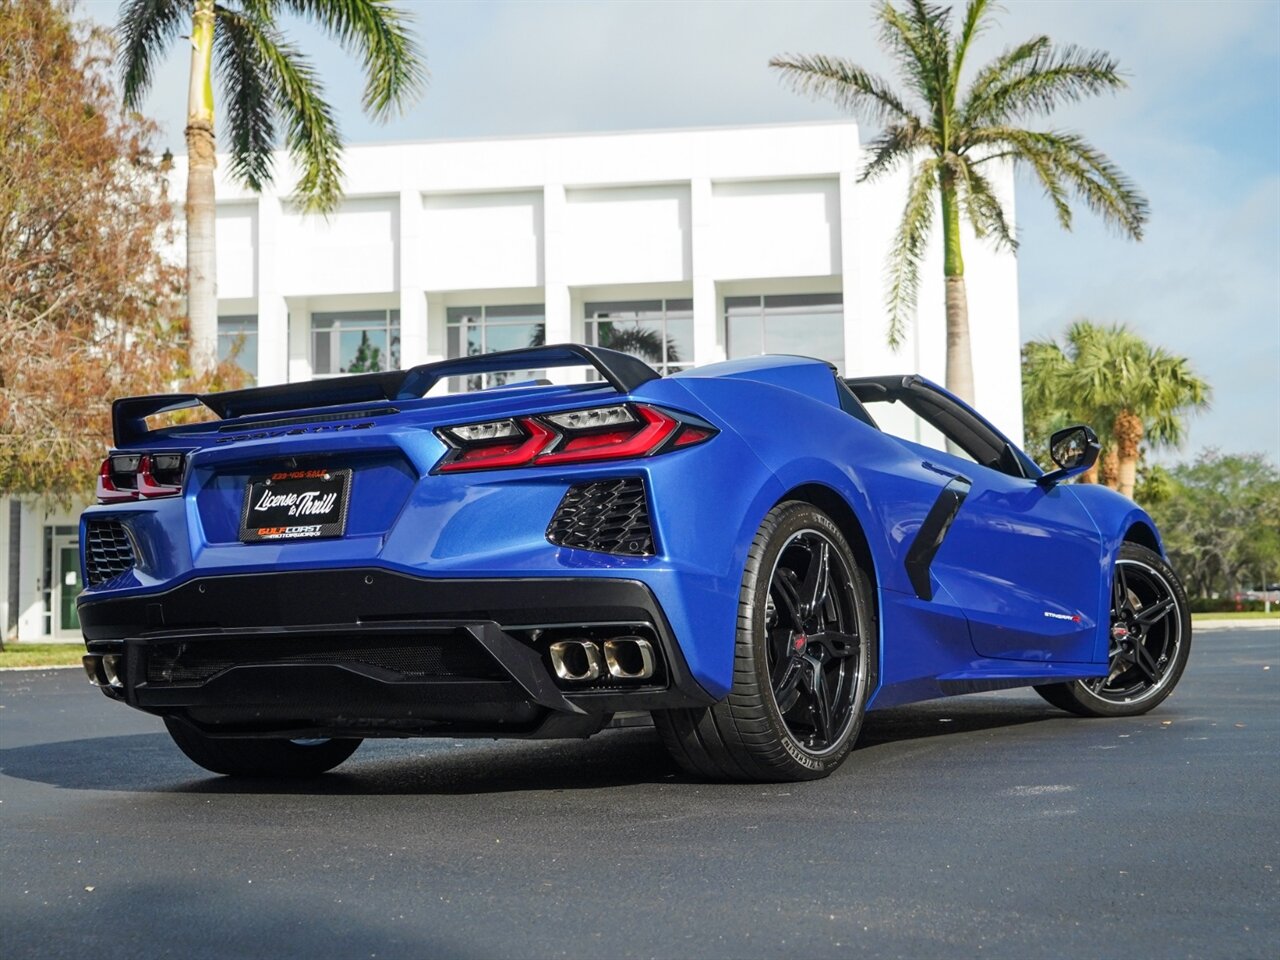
620, 370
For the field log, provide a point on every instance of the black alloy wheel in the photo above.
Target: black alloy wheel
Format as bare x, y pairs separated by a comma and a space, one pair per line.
1149, 641
813, 655
803, 660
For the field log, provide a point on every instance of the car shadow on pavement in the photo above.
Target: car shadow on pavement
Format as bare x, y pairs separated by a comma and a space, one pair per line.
270, 919
150, 763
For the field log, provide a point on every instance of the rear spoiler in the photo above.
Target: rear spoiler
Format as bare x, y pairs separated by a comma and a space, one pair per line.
620, 370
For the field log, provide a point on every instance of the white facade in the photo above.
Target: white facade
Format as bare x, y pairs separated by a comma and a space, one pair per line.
490, 238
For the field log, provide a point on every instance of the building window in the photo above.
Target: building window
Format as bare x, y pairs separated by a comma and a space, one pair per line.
355, 341
659, 332
471, 331
809, 325
239, 335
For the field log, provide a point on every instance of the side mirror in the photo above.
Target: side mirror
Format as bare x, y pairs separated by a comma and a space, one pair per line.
1074, 450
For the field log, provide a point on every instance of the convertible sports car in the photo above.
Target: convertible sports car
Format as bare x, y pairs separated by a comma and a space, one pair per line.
738, 550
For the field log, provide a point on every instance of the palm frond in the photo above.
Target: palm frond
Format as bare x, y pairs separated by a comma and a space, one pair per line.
983, 207
1046, 79
311, 132
1066, 161
145, 27
975, 15
381, 34
915, 53
908, 250
246, 89
844, 82
900, 141
1000, 68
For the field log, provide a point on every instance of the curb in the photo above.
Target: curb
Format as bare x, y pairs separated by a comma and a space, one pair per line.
52, 666
1273, 624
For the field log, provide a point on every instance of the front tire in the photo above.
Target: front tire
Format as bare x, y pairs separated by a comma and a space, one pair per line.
252, 757
1150, 641
802, 660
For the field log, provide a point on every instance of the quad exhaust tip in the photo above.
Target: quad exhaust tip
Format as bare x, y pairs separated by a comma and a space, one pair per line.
583, 661
103, 670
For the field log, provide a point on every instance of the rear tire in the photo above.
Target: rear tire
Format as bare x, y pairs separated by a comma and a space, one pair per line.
802, 660
1150, 641
252, 757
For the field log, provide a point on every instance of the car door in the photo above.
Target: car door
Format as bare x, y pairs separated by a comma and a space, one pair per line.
1020, 560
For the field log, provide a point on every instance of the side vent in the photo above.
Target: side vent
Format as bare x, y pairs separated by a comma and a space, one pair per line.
608, 516
108, 551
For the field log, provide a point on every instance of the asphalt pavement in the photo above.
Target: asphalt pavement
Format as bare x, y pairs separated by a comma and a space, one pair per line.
988, 825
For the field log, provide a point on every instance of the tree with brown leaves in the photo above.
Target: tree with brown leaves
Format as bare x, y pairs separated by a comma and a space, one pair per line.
90, 307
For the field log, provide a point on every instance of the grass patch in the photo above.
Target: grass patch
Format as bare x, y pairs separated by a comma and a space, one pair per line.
41, 654
1240, 615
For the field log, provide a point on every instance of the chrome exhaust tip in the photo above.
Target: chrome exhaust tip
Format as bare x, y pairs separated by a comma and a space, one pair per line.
629, 658
111, 664
93, 670
577, 661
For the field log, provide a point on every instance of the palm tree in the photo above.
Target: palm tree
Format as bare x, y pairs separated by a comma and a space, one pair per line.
949, 139
1133, 392
266, 81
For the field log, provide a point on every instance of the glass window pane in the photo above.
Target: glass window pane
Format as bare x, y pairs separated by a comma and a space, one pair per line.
239, 333
743, 335
523, 311
322, 362
362, 351
625, 308
809, 334
679, 338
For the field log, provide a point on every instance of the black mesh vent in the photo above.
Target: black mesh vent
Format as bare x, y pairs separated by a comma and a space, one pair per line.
108, 551
413, 658
609, 516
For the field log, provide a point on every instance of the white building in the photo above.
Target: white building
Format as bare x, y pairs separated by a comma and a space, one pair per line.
704, 244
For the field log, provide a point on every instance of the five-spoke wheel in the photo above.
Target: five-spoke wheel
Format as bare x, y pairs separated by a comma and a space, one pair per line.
1149, 638
813, 653
802, 661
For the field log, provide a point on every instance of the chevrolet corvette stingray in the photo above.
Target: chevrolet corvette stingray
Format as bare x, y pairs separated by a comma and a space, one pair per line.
739, 550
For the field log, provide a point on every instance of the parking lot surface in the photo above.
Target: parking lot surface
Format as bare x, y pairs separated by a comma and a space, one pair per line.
989, 825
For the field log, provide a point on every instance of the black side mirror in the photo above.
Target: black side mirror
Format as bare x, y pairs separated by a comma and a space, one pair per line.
1074, 450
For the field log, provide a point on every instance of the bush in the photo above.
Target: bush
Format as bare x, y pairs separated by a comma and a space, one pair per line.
1223, 604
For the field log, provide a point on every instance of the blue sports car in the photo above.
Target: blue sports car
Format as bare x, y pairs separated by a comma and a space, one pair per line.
739, 550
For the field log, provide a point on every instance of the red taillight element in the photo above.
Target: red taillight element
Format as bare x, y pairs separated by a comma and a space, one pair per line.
656, 428
132, 476
148, 486
491, 456
591, 435
108, 492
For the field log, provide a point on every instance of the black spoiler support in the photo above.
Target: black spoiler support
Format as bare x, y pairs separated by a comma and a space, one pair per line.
620, 370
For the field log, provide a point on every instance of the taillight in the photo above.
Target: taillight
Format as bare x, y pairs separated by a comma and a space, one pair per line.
140, 476
620, 432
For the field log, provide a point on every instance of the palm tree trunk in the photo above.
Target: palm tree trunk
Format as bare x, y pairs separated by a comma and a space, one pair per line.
1109, 468
959, 356
202, 290
1128, 433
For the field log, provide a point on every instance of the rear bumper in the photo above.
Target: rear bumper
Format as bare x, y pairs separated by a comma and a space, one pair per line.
371, 652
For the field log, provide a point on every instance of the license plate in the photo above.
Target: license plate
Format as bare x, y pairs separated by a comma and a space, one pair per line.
295, 505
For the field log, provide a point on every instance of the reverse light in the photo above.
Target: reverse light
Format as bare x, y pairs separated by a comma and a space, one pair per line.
619, 432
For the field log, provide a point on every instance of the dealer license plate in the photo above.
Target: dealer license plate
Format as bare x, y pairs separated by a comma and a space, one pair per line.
295, 505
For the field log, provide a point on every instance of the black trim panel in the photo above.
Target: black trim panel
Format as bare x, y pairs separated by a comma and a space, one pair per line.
374, 602
931, 534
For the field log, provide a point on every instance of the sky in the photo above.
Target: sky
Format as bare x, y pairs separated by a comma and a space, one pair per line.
1198, 128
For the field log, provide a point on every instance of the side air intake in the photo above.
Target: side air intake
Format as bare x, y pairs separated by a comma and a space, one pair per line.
608, 516
108, 551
